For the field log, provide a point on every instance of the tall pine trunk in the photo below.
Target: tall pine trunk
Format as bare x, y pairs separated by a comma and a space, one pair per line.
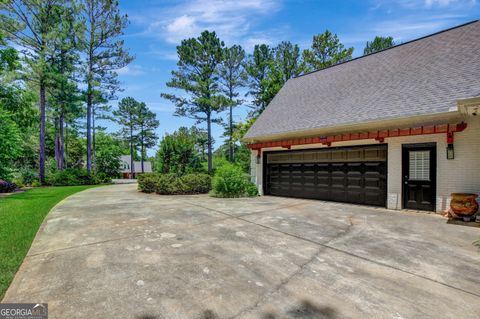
142, 150
61, 137
89, 128
57, 143
90, 92
132, 167
231, 148
66, 144
209, 143
94, 153
231, 133
41, 164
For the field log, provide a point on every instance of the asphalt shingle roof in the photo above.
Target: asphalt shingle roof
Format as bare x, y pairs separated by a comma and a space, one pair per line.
424, 76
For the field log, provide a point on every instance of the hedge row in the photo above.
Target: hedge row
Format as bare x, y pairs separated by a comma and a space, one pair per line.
75, 177
229, 181
171, 184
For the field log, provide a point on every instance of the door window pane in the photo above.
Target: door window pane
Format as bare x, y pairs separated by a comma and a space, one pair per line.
419, 165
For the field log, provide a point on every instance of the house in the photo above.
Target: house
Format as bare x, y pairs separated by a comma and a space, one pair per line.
125, 165
397, 129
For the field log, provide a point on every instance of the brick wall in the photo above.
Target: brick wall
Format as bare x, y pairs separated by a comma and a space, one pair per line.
459, 175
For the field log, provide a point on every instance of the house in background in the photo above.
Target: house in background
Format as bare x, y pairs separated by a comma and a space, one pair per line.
125, 168
398, 128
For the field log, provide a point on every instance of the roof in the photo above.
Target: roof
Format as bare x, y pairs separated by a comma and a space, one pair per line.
147, 166
420, 77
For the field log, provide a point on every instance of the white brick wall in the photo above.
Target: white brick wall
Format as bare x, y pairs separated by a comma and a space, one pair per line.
459, 175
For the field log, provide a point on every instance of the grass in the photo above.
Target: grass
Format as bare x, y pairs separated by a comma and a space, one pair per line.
20, 217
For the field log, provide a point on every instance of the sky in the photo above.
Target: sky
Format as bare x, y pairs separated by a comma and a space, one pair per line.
157, 27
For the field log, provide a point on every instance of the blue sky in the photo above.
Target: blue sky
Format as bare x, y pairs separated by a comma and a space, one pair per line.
157, 26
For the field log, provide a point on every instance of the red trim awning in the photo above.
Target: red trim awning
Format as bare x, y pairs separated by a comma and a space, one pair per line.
380, 135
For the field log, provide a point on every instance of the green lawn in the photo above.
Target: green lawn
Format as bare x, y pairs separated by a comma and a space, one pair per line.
20, 217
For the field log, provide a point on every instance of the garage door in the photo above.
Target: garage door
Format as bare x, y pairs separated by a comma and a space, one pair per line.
352, 175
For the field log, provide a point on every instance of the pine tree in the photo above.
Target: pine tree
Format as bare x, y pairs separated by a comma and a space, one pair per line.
378, 44
104, 53
232, 77
147, 124
258, 68
288, 60
64, 95
33, 25
127, 116
326, 51
199, 59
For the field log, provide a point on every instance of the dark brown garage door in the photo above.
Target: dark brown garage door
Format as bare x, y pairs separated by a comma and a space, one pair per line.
351, 175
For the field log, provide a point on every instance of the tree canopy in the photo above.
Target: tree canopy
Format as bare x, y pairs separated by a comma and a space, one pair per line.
62, 69
326, 50
105, 53
232, 77
178, 152
378, 44
197, 75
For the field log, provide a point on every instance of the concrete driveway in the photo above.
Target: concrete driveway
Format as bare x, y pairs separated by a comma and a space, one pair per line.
112, 252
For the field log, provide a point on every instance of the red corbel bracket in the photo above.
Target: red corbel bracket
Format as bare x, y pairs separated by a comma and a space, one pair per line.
380, 139
449, 137
328, 144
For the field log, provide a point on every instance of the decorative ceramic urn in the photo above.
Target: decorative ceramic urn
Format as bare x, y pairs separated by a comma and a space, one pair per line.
463, 204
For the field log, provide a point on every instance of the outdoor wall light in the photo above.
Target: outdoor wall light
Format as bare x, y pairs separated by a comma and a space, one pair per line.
450, 152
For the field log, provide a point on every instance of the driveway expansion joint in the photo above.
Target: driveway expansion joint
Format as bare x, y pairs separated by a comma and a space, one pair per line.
301, 268
82, 245
326, 245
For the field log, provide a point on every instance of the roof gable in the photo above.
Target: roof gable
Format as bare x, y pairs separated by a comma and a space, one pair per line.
424, 76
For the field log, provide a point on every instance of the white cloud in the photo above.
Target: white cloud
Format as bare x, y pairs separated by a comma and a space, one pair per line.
161, 107
412, 27
162, 54
424, 4
402, 29
131, 70
446, 3
232, 20
271, 37
183, 26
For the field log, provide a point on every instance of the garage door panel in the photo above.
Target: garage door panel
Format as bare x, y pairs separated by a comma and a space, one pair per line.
355, 196
337, 181
374, 199
338, 194
362, 182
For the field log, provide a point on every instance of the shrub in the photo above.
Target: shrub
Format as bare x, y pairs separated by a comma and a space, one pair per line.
196, 183
166, 184
147, 182
70, 177
36, 184
171, 184
231, 181
7, 187
251, 190
10, 144
102, 178
25, 176
109, 150
177, 153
